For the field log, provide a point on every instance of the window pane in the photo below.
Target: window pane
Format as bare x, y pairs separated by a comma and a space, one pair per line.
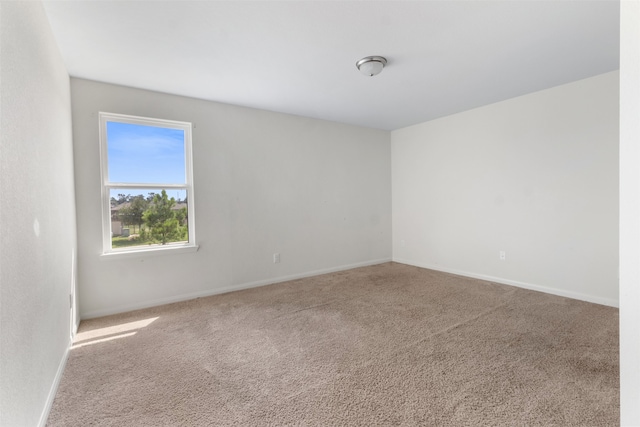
151, 217
145, 154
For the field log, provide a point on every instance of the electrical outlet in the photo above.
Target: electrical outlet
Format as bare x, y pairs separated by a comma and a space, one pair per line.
276, 258
503, 255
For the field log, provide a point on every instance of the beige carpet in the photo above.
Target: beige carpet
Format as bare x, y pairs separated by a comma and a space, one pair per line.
384, 345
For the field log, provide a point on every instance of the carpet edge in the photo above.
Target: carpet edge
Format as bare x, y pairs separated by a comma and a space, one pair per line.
44, 415
530, 286
225, 289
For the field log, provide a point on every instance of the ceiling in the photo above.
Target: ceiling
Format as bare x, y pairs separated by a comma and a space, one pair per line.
299, 57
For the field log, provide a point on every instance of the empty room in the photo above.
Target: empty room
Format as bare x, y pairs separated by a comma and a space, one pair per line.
318, 213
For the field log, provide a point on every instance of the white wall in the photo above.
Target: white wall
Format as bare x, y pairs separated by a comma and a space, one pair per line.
317, 192
629, 213
535, 176
37, 214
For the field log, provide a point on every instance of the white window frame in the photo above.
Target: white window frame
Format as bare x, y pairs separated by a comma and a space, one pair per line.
107, 249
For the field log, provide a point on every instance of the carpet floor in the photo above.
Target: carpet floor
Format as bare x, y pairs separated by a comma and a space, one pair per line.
389, 344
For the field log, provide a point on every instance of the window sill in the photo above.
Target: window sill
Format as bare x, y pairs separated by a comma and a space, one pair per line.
147, 252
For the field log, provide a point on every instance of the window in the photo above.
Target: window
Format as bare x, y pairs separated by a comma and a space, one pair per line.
147, 184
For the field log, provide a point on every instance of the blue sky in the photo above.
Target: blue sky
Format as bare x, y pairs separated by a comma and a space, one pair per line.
145, 154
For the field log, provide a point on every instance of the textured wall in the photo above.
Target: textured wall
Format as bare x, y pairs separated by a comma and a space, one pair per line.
37, 213
317, 192
535, 176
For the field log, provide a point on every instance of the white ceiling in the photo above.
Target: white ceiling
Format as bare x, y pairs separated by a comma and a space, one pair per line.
299, 57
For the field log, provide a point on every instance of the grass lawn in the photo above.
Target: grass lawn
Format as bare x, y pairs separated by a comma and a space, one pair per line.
121, 242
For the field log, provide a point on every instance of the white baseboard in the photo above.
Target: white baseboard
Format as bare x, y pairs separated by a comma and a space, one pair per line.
54, 388
545, 289
225, 289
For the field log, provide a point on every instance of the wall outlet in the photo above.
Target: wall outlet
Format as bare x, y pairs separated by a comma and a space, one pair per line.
503, 255
276, 258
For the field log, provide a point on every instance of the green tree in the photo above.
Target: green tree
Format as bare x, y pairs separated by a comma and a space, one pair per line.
133, 214
163, 221
122, 198
183, 228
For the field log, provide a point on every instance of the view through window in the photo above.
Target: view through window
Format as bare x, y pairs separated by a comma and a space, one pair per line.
147, 184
